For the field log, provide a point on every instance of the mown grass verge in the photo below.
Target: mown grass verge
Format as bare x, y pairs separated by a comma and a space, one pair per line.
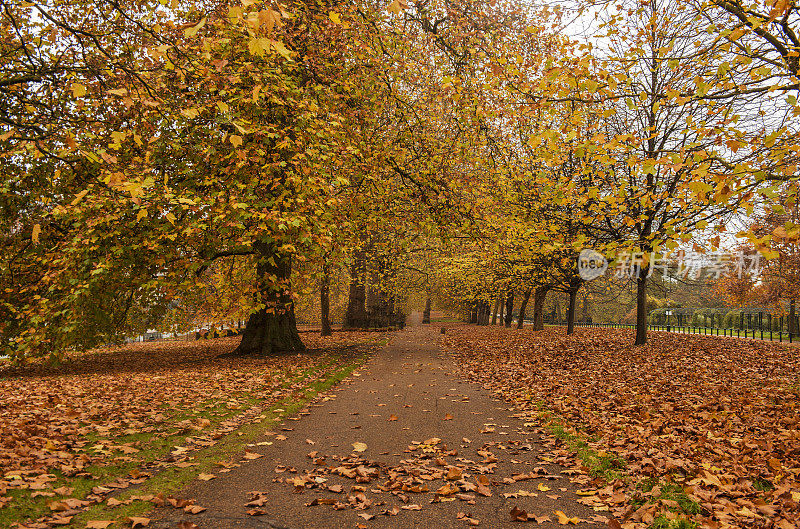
318, 379
172, 480
611, 467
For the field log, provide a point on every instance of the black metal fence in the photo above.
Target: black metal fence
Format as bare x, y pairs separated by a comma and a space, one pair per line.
758, 331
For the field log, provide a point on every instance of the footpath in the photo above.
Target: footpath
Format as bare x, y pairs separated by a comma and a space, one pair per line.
402, 443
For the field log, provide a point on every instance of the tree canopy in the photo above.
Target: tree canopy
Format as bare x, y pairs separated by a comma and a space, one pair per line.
185, 162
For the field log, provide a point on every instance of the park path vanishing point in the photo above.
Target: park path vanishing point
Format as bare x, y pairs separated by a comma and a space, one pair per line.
404, 394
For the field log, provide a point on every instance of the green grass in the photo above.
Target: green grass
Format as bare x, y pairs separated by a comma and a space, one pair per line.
610, 467
762, 485
172, 480
153, 447
670, 492
662, 522
606, 465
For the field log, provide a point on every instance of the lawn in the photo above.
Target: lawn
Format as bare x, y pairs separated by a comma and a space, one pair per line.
115, 420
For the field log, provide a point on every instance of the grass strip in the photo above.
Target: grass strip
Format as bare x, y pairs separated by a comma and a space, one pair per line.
611, 467
172, 480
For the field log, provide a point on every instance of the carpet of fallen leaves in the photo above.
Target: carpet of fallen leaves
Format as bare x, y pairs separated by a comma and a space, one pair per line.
61, 422
716, 416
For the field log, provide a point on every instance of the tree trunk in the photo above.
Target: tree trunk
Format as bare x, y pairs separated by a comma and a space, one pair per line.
325, 300
573, 293
538, 308
509, 309
485, 313
495, 311
473, 313
523, 307
426, 315
792, 317
356, 315
273, 328
641, 307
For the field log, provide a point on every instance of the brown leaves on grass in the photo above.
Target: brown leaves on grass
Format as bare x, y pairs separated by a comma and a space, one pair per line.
106, 406
717, 417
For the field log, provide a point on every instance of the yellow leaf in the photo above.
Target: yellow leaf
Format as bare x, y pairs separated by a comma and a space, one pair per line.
171, 218
142, 214
79, 197
98, 524
280, 48
78, 90
235, 140
542, 487
395, 7
190, 113
37, 229
121, 92
192, 31
563, 519
335, 18
258, 45
206, 477
359, 447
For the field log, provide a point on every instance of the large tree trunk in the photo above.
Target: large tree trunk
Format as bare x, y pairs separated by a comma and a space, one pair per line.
792, 318
426, 315
273, 328
573, 293
523, 307
325, 300
509, 309
641, 307
485, 313
356, 315
495, 311
538, 308
473, 313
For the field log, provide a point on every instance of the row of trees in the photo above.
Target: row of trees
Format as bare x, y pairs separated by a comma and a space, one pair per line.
211, 161
681, 125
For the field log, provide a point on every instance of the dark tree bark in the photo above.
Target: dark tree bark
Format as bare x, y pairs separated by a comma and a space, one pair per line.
495, 311
509, 309
573, 293
484, 313
273, 328
641, 307
792, 317
473, 313
539, 296
356, 315
523, 307
325, 300
426, 314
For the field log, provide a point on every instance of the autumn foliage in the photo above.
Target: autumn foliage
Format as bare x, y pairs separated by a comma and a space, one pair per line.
717, 417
